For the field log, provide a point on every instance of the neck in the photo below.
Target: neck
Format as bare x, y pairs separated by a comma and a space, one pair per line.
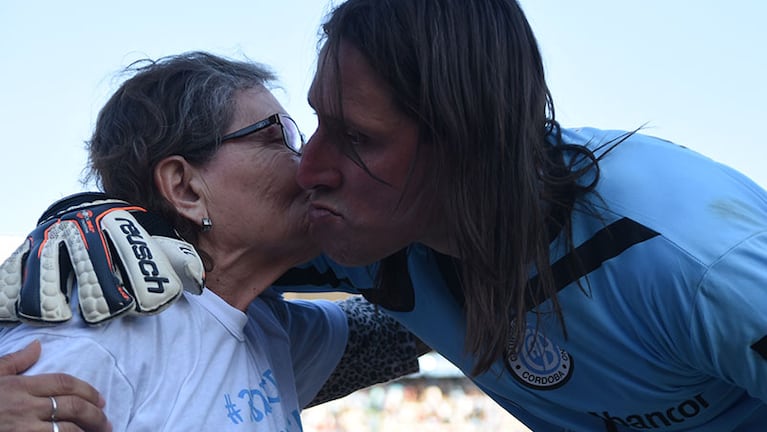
443, 246
239, 281
439, 239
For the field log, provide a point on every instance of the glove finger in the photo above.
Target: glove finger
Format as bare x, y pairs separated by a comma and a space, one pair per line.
185, 261
100, 291
10, 282
75, 202
182, 256
146, 270
41, 298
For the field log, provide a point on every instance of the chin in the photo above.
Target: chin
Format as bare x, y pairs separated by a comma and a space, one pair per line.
347, 248
350, 256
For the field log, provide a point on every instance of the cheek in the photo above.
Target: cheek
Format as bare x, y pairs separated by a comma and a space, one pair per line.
259, 180
402, 186
374, 202
275, 180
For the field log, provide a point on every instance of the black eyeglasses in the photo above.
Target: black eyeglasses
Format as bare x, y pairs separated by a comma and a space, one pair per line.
291, 136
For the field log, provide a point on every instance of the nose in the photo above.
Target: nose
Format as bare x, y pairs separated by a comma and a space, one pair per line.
320, 163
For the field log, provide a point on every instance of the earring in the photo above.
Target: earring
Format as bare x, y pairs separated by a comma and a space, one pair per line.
207, 224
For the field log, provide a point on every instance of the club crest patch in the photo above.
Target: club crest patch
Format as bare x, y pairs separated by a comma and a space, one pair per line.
539, 364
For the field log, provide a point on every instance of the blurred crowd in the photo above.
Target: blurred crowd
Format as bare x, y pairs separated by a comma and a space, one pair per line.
413, 404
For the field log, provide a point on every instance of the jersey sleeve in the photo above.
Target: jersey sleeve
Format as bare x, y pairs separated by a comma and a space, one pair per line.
318, 332
729, 322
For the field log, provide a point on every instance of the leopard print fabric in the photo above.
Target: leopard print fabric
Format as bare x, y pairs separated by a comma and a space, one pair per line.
379, 349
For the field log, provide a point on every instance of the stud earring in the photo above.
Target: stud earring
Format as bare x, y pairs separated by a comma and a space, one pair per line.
207, 224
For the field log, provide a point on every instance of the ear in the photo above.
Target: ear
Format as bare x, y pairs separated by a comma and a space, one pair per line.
179, 182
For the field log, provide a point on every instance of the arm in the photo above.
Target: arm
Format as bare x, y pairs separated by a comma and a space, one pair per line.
379, 349
25, 400
337, 348
729, 320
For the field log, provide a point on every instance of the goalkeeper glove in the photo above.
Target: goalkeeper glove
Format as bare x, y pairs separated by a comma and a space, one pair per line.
123, 258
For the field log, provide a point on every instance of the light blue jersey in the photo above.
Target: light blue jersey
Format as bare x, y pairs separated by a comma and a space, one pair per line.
667, 329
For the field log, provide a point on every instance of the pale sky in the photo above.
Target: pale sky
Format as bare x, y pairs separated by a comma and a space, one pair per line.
692, 70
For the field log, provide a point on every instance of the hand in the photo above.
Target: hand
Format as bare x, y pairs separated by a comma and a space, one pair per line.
124, 260
25, 401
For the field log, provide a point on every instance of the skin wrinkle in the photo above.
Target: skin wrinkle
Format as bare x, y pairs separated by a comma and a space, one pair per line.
250, 182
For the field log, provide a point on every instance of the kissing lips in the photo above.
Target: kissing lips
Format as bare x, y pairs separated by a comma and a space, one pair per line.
319, 213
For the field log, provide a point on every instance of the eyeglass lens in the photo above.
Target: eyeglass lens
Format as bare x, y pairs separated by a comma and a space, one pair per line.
293, 137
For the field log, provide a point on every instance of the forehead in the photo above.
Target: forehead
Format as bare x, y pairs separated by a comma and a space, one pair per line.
252, 105
346, 85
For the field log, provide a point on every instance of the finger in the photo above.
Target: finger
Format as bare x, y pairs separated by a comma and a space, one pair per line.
59, 384
79, 413
65, 427
37, 426
21, 411
19, 361
36, 414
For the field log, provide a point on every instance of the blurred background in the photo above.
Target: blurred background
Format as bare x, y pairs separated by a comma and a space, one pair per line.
438, 399
691, 71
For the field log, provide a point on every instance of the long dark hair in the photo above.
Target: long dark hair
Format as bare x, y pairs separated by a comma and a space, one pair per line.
470, 73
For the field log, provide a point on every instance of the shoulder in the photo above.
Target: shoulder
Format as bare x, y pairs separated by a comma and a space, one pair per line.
120, 342
84, 353
272, 309
701, 206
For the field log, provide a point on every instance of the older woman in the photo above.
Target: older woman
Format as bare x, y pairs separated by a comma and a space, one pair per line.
202, 141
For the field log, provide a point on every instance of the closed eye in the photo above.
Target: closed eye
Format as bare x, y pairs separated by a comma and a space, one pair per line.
355, 138
270, 135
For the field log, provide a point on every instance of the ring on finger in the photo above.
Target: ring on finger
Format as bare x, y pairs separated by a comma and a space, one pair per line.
55, 407
55, 426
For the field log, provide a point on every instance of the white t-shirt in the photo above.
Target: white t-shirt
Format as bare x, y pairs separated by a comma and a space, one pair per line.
201, 365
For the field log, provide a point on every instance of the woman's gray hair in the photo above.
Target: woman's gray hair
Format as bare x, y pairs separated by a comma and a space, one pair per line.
175, 105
